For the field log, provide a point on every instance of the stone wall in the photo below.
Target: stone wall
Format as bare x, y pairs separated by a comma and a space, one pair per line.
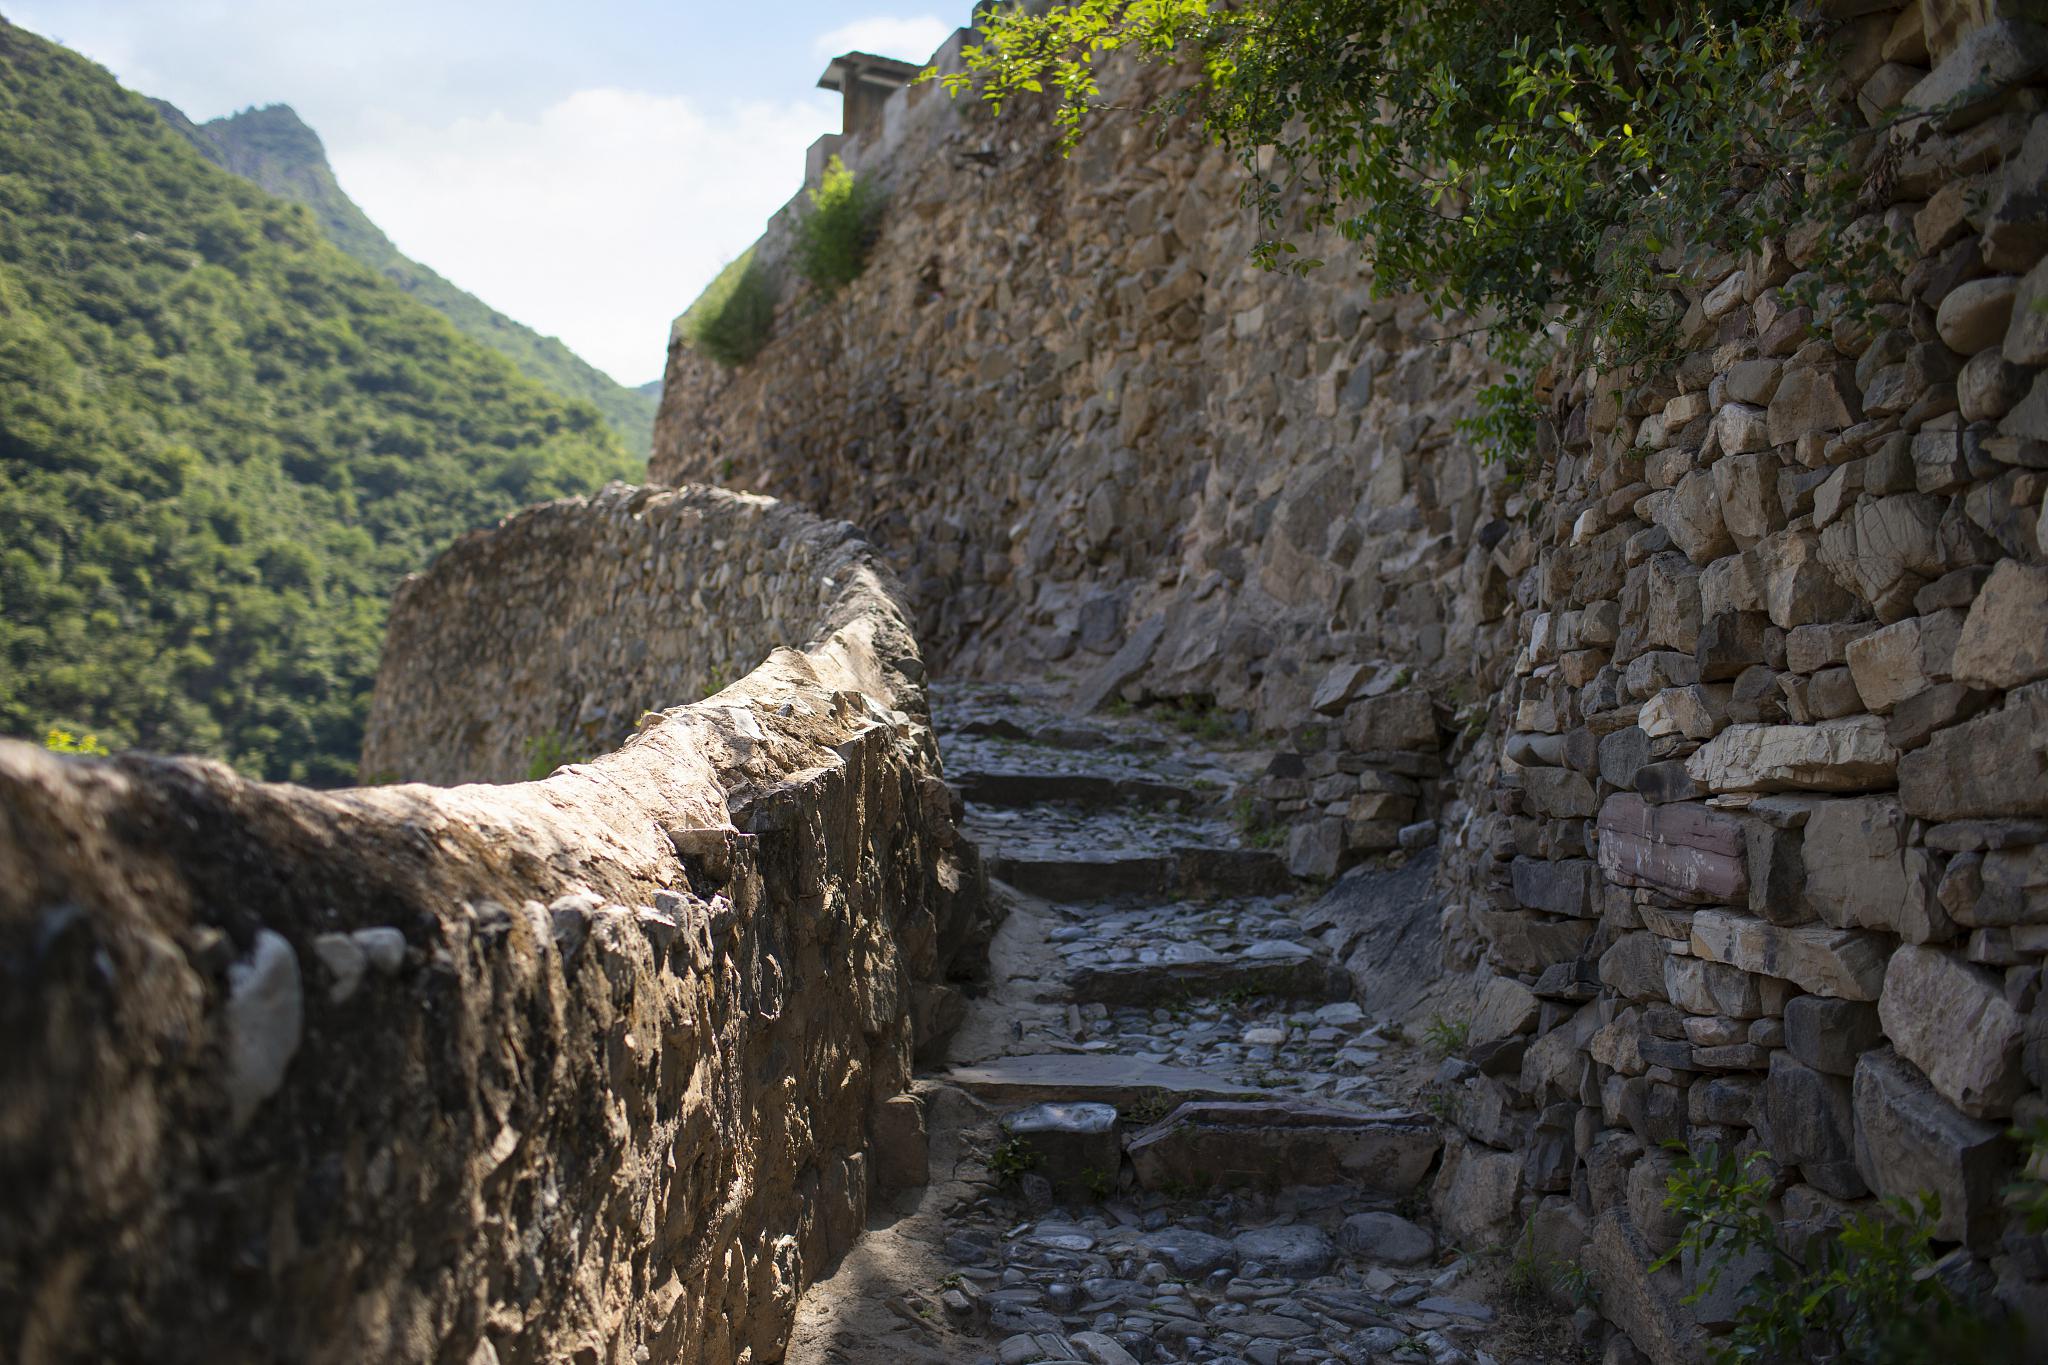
1064, 402
1731, 719
1760, 864
575, 620
590, 1069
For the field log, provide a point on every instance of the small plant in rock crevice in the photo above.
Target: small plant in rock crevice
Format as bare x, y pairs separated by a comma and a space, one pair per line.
2027, 1195
1872, 1290
1009, 1161
1443, 1037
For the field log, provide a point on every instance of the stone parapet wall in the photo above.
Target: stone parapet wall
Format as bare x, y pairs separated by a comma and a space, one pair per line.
598, 1068
569, 624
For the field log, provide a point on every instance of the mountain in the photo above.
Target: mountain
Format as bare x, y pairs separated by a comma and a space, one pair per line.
274, 148
222, 440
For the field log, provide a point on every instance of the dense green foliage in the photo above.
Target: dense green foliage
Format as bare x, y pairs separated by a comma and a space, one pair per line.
732, 319
221, 441
1553, 173
833, 239
274, 148
1870, 1290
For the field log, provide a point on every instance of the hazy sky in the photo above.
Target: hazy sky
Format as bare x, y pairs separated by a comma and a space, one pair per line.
583, 167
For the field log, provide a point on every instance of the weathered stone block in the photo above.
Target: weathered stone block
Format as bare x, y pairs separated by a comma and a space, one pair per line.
1506, 1008
1633, 966
1567, 886
1910, 1141
1859, 874
1843, 963
1812, 398
1951, 1020
1835, 755
1800, 585
1398, 720
1622, 755
1712, 988
1559, 793
1521, 941
1830, 1035
1884, 550
1994, 765
2004, 641
1688, 850
1476, 1194
1647, 1304
1813, 1126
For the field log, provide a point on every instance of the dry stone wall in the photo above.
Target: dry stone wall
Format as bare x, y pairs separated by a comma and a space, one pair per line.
602, 1068
1759, 864
1731, 720
1081, 421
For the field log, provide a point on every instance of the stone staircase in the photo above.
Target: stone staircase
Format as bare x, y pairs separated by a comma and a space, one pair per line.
1168, 1133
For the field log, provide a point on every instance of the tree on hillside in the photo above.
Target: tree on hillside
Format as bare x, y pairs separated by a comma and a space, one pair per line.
1555, 174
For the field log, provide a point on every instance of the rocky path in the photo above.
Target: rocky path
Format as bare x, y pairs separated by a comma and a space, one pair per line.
1167, 1133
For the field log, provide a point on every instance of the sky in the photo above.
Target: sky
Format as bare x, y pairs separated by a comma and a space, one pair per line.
584, 168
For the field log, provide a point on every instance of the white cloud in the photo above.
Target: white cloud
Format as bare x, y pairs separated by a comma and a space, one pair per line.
598, 220
910, 40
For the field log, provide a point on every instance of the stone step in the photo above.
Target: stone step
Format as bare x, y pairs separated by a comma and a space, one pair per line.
1181, 872
1132, 1084
1094, 790
1294, 971
1062, 736
1269, 1143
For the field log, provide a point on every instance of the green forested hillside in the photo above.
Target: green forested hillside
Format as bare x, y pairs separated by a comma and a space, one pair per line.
221, 440
274, 147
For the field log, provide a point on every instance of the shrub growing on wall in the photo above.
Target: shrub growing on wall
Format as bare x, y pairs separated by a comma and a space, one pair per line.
733, 319
834, 238
1557, 172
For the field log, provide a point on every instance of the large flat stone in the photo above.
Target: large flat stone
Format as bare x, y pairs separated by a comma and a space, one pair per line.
1951, 1020
1101, 1078
1851, 754
1910, 1141
1692, 852
1267, 1144
1844, 963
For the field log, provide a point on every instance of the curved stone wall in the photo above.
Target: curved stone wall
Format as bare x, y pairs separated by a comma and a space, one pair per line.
559, 631
586, 1069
